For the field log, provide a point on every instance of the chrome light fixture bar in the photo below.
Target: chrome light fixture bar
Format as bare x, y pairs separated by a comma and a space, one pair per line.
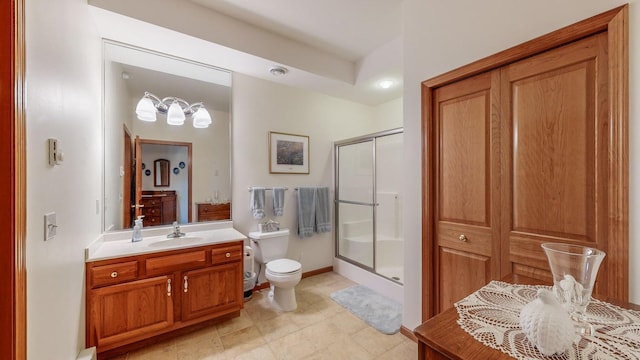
175, 108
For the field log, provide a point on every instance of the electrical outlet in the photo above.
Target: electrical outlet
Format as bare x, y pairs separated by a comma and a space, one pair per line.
50, 226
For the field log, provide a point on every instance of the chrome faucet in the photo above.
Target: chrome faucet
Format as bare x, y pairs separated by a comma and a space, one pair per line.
176, 231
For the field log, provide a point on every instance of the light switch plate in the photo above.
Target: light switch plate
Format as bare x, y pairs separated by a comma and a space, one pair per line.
50, 226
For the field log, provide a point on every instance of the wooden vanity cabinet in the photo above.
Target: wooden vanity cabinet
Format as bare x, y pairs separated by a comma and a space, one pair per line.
210, 291
131, 309
139, 297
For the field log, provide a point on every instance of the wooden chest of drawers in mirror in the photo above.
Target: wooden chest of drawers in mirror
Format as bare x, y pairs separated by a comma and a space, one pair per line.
212, 212
159, 207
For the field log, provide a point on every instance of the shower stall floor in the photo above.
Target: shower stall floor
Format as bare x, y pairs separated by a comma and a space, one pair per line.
394, 273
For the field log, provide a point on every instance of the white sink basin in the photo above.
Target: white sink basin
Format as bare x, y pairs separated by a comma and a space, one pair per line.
182, 241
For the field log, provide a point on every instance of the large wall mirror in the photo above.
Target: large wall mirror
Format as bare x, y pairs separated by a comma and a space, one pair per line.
199, 157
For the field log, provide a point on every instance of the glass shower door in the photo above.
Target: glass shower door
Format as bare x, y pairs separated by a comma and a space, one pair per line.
355, 205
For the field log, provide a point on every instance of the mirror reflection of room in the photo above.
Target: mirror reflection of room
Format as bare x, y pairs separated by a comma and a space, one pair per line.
202, 182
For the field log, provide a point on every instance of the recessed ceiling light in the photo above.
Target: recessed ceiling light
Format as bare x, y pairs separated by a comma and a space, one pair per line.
278, 71
385, 84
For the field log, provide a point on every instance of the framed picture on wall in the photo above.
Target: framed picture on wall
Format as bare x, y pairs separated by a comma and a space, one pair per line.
288, 153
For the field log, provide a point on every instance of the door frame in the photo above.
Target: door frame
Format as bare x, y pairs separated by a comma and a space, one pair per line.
13, 303
126, 178
615, 23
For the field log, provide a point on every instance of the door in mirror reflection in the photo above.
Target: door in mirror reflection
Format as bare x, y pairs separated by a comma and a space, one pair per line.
160, 181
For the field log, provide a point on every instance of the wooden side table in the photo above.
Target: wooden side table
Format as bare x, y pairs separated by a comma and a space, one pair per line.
442, 338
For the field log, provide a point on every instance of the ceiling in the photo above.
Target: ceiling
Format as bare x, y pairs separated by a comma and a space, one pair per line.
341, 48
351, 29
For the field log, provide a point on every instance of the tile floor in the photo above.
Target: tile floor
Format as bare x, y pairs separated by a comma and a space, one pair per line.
318, 329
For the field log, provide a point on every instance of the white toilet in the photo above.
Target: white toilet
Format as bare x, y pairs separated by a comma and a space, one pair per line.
283, 274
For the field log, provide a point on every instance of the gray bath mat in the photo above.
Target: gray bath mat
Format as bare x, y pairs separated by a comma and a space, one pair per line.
376, 310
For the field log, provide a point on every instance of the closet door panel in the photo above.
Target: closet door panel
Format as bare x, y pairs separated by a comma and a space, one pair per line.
464, 170
555, 130
467, 187
463, 273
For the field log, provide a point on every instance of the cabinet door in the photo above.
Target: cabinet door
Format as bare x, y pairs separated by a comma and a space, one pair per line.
213, 291
557, 137
467, 253
169, 209
130, 311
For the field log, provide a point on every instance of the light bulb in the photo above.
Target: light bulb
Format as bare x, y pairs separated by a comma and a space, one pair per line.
145, 110
385, 84
201, 119
175, 116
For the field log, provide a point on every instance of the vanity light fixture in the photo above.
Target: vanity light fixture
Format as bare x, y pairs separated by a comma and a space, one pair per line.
176, 109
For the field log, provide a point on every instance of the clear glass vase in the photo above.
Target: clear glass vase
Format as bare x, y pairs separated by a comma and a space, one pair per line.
574, 270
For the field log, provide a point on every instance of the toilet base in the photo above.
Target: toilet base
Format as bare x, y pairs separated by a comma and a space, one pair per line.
284, 299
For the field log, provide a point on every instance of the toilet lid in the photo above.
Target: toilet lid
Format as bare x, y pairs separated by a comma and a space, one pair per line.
283, 266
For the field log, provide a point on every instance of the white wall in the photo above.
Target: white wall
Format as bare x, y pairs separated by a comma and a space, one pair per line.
388, 115
476, 29
63, 77
260, 106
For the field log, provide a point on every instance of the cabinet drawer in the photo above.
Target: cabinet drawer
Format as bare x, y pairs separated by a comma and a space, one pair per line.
210, 212
152, 220
167, 263
150, 211
114, 273
150, 202
473, 239
226, 254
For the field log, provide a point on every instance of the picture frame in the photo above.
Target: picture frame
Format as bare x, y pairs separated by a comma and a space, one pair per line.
288, 153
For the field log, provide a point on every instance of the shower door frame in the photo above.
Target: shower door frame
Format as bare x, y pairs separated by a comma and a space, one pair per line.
374, 204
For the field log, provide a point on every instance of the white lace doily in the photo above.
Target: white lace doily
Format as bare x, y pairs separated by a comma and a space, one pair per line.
491, 316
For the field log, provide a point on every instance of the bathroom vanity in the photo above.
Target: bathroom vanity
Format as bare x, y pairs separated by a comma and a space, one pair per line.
138, 291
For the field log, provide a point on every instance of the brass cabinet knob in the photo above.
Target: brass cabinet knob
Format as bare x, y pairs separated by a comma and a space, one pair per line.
114, 274
462, 238
228, 255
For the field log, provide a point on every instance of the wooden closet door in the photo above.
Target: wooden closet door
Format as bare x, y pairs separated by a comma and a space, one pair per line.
467, 187
555, 128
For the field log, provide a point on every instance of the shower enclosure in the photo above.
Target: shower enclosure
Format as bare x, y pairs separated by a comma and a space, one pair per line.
368, 211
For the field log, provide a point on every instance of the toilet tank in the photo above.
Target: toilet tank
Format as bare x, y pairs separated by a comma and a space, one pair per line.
269, 246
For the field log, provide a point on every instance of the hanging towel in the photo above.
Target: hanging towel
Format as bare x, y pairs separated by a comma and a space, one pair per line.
306, 211
257, 202
323, 218
277, 199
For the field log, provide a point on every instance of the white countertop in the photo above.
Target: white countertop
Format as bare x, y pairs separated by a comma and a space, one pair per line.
115, 248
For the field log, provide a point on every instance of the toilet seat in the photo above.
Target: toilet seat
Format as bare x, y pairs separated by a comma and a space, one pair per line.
283, 266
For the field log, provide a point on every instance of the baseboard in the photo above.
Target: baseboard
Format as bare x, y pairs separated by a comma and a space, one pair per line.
317, 271
408, 333
327, 269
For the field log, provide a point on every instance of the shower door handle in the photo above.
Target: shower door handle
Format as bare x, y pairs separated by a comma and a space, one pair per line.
356, 202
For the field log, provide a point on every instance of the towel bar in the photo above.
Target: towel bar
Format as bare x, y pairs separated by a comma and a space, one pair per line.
251, 188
